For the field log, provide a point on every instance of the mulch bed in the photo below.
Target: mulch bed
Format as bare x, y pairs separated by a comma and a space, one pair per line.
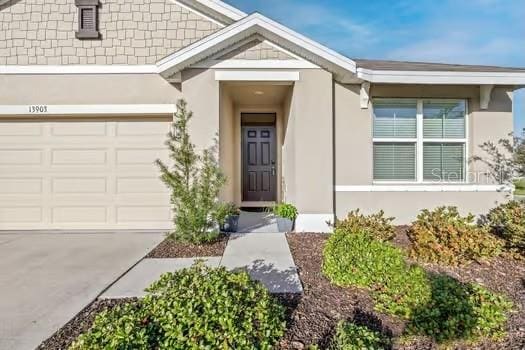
313, 316
66, 335
170, 248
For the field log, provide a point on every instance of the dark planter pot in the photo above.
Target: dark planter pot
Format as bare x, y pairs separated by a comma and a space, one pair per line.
284, 224
231, 224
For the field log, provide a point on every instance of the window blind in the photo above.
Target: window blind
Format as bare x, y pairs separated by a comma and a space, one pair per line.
443, 161
444, 119
395, 118
394, 161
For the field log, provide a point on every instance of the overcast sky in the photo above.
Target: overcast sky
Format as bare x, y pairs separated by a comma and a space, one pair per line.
490, 32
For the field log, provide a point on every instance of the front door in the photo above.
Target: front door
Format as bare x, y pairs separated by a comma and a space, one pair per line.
259, 180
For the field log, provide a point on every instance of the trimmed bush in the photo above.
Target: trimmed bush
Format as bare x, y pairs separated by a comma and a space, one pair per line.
444, 236
508, 222
195, 308
350, 336
356, 259
460, 311
377, 225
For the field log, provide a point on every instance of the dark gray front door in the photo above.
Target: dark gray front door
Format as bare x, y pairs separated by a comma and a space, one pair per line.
259, 180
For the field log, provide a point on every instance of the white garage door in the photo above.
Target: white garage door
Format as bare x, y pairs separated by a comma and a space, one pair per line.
83, 174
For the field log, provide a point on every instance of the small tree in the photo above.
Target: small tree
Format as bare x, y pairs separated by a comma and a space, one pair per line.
505, 159
194, 180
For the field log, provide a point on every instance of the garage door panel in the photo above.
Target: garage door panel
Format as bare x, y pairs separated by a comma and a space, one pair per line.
19, 214
79, 129
20, 185
132, 185
20, 129
79, 214
79, 157
20, 157
126, 214
140, 156
83, 174
73, 185
146, 129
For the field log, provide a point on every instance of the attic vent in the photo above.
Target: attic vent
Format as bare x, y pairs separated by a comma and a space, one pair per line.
87, 19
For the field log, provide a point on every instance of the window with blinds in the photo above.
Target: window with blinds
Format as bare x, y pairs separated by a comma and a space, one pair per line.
443, 162
444, 119
395, 161
436, 153
395, 118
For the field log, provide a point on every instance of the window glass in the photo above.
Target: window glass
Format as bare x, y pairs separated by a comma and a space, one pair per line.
443, 162
444, 119
395, 161
395, 118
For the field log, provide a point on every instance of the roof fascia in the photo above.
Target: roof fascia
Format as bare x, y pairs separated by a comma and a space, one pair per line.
441, 77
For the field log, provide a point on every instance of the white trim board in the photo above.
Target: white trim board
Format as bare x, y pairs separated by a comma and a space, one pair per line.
253, 75
128, 109
213, 9
314, 223
435, 77
255, 64
80, 69
423, 188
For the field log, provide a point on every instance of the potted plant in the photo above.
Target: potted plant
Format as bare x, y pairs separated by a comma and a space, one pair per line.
286, 214
228, 217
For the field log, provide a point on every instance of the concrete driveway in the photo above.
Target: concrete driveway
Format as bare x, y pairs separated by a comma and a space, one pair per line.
47, 278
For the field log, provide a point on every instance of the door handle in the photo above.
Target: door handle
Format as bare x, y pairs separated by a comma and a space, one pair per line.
273, 170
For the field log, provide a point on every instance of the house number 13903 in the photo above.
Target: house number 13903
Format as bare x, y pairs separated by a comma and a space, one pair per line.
38, 109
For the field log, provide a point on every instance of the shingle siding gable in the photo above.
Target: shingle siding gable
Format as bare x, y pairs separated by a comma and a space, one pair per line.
132, 32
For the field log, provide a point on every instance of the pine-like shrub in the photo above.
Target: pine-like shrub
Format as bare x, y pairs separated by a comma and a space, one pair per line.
508, 222
194, 181
444, 236
350, 336
356, 259
377, 225
195, 308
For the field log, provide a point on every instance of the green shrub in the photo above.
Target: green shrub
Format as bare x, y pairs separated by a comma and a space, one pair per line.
444, 236
508, 222
460, 311
350, 336
285, 210
379, 226
127, 327
356, 259
195, 308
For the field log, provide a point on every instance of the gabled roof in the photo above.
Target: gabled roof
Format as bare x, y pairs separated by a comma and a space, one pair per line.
256, 24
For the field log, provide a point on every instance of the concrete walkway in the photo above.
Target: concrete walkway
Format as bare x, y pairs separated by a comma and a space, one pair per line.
46, 279
265, 256
257, 222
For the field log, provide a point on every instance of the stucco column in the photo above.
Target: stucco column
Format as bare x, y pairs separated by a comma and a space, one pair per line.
308, 151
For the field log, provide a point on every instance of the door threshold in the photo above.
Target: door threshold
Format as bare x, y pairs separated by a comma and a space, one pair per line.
257, 204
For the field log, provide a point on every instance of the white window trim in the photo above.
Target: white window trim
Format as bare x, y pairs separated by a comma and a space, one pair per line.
420, 140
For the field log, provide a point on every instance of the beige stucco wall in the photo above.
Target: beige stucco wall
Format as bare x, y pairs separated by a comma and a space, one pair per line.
307, 147
87, 89
201, 92
132, 32
405, 206
354, 151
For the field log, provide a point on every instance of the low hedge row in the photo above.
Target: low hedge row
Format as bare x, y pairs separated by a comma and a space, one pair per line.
195, 308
